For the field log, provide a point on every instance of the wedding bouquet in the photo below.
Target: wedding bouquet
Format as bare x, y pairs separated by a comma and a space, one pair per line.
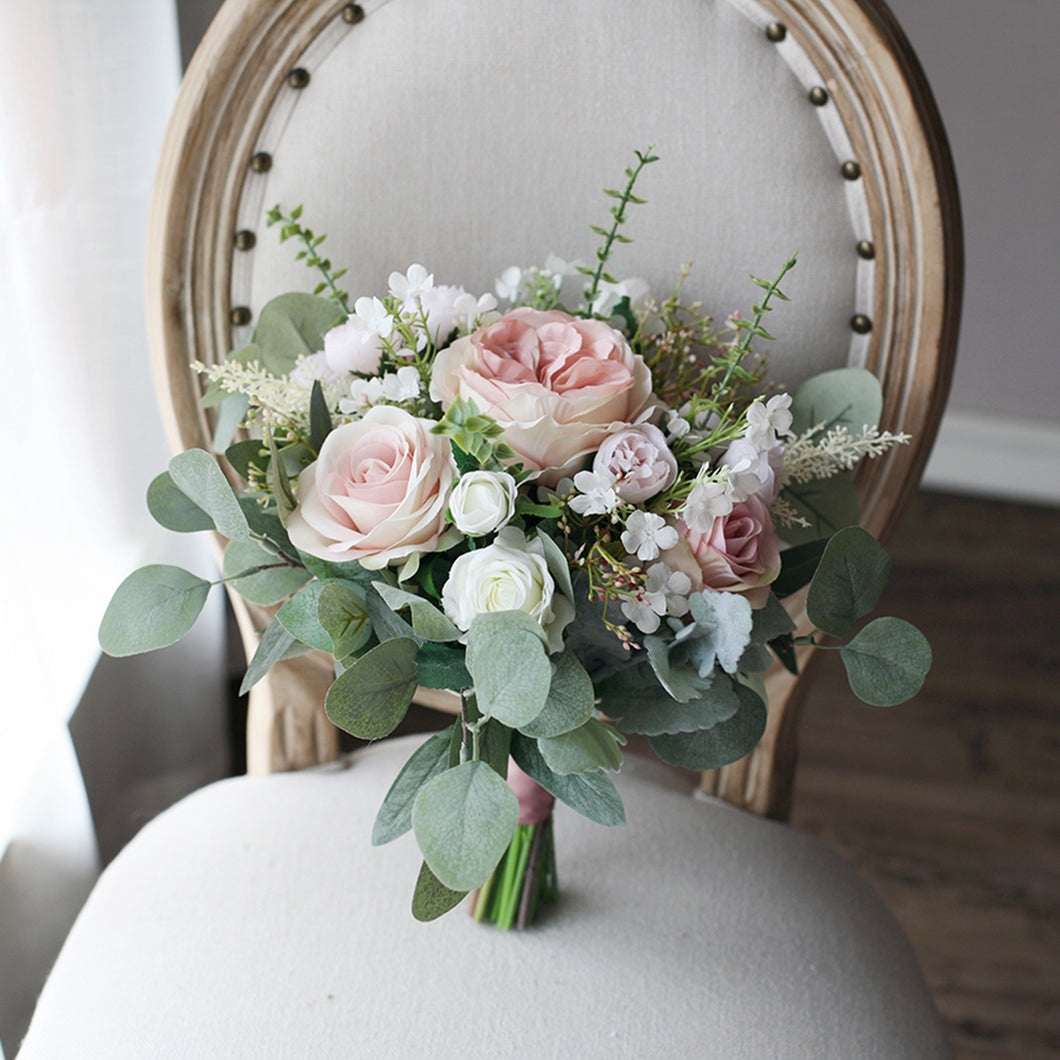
579, 516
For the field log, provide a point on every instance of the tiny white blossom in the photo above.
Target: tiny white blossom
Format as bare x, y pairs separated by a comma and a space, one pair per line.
402, 385
708, 500
676, 425
645, 611
508, 283
647, 535
766, 420
742, 478
372, 316
363, 392
596, 494
408, 289
673, 585
472, 310
608, 295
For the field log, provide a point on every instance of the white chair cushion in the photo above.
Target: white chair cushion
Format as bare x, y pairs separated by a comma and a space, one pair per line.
255, 920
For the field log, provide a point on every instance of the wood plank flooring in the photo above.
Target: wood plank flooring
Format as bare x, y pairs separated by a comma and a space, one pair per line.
950, 805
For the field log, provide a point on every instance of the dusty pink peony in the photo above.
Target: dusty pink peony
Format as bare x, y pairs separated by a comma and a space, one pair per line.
739, 555
377, 493
558, 385
639, 460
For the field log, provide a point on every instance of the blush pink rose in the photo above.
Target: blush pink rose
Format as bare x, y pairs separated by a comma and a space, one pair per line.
377, 493
740, 554
639, 460
558, 385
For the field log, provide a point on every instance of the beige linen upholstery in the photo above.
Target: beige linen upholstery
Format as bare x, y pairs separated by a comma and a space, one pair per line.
255, 921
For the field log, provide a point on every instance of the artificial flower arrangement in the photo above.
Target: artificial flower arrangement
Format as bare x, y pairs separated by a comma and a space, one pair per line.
570, 518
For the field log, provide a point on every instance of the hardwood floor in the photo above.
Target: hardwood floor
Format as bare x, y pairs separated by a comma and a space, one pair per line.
950, 805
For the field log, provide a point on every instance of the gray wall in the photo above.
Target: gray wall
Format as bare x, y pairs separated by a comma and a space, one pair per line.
993, 69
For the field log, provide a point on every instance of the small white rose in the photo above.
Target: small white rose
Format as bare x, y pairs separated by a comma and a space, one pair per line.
509, 575
482, 501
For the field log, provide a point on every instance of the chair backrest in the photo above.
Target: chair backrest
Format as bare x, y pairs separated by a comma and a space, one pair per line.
470, 135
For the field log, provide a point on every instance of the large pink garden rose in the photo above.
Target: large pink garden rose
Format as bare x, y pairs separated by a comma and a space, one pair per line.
558, 385
739, 555
377, 493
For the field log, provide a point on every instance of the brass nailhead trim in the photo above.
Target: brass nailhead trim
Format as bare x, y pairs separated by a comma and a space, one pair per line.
240, 316
818, 96
861, 323
298, 77
851, 171
261, 162
776, 31
353, 13
866, 250
245, 239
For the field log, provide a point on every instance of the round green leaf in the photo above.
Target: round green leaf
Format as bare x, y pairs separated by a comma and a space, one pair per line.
299, 616
571, 698
197, 475
174, 510
843, 397
291, 325
848, 582
343, 613
725, 742
508, 661
394, 818
154, 607
268, 586
371, 697
464, 820
887, 662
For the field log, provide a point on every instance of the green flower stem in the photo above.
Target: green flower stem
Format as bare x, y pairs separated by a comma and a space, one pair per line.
253, 570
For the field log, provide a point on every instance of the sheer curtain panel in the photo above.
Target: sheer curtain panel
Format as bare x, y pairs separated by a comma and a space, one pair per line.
86, 87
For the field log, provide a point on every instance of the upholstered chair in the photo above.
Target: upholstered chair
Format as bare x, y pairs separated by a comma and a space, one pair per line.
254, 919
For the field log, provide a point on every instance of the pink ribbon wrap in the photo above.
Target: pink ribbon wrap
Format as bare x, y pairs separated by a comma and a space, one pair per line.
535, 804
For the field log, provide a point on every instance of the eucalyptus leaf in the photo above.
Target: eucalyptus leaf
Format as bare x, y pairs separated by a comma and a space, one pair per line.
843, 397
826, 505
428, 622
592, 794
726, 742
571, 698
432, 898
495, 742
849, 580
394, 818
442, 666
319, 416
152, 608
507, 659
463, 820
300, 617
293, 325
265, 523
370, 698
280, 481
593, 745
386, 623
558, 566
196, 474
174, 510
343, 613
887, 662
656, 714
330, 570
797, 566
266, 587
231, 412
275, 644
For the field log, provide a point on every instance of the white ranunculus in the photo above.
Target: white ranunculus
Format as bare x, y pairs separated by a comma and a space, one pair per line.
482, 501
509, 575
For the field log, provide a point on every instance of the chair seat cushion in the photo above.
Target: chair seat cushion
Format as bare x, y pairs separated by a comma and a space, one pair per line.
254, 919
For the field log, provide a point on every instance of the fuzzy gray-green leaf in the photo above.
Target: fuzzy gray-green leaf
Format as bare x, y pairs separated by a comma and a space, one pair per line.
154, 607
887, 662
196, 474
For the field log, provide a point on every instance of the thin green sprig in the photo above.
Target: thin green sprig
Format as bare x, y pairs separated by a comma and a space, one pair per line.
292, 229
612, 235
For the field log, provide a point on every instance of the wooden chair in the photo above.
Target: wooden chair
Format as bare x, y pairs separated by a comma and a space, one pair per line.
467, 136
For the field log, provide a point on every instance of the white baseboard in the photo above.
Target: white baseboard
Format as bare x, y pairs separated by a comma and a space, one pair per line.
995, 456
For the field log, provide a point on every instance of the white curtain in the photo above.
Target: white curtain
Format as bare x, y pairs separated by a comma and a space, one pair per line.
86, 87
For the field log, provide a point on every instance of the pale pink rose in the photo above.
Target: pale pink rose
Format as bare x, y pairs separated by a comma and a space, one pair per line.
377, 493
558, 385
639, 461
739, 555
